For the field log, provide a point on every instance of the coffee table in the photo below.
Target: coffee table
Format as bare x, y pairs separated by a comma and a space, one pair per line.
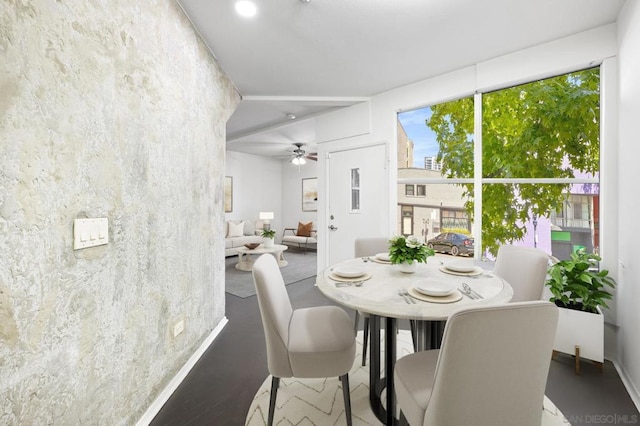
245, 262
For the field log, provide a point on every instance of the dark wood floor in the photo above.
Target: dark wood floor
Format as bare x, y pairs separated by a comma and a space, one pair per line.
220, 388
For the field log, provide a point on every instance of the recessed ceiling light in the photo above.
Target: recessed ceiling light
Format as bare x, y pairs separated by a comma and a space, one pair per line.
246, 8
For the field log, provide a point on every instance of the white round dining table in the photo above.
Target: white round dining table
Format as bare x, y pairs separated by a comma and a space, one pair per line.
387, 294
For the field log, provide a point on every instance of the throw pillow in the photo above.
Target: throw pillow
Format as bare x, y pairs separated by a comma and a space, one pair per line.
304, 229
235, 229
249, 227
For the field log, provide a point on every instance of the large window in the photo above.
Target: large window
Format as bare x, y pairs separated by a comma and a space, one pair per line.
535, 151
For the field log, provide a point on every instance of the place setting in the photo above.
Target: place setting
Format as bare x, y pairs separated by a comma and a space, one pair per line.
383, 258
462, 268
349, 275
434, 291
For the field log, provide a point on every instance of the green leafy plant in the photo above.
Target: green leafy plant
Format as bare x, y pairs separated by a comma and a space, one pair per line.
556, 119
406, 250
268, 233
575, 285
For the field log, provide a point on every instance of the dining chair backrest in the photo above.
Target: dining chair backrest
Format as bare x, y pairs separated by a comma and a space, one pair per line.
493, 364
276, 312
370, 246
525, 269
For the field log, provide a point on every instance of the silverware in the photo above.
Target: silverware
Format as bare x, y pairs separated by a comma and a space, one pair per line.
405, 295
464, 292
410, 297
349, 283
467, 293
470, 290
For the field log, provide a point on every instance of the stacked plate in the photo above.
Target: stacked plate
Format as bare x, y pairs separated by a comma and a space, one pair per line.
349, 273
435, 291
462, 268
382, 258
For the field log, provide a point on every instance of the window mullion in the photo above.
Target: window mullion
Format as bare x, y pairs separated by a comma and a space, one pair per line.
477, 176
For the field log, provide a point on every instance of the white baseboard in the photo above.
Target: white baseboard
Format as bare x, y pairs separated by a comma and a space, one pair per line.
164, 396
628, 384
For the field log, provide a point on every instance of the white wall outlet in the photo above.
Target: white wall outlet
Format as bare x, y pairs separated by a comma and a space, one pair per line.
90, 232
178, 328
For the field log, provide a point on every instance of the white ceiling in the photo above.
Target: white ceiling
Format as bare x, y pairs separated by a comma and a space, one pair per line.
304, 58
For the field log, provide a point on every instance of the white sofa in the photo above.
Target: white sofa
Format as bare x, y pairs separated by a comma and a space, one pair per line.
250, 233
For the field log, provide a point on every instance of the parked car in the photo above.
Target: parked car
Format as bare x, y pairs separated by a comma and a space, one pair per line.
452, 243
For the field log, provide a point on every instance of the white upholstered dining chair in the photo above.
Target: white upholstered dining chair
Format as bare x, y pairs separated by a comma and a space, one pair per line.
303, 343
491, 369
365, 247
525, 269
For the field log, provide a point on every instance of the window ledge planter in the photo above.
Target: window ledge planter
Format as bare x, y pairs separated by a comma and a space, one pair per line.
580, 290
581, 334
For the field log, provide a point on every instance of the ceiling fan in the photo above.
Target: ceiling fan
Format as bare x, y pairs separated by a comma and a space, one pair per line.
300, 156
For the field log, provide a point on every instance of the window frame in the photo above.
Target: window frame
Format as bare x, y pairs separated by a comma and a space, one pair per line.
608, 101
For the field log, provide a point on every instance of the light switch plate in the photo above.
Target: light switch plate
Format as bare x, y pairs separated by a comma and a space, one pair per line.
90, 232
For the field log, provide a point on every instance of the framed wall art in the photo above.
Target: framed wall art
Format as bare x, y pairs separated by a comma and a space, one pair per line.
310, 194
228, 194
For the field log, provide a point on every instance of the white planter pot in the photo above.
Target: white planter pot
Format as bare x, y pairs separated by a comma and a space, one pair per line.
408, 268
583, 329
267, 242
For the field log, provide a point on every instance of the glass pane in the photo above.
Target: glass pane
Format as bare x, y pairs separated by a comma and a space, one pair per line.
408, 190
555, 218
355, 200
445, 208
545, 129
438, 138
407, 226
355, 178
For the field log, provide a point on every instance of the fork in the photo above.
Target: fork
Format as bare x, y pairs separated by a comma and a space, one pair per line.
470, 290
406, 297
467, 293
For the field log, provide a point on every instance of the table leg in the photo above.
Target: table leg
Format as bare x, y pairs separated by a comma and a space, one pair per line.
423, 335
245, 262
280, 259
429, 334
390, 358
376, 383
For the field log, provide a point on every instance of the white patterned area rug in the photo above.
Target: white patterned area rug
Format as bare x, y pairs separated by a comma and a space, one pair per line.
318, 402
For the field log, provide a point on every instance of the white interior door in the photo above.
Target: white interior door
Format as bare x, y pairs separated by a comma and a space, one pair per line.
358, 194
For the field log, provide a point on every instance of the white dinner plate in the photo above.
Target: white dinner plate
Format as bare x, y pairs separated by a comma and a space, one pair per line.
348, 271
460, 266
435, 288
383, 256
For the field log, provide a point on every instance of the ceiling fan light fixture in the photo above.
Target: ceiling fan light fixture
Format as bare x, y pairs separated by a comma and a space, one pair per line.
298, 161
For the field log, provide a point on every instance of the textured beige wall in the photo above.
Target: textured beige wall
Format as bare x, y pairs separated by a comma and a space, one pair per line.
107, 109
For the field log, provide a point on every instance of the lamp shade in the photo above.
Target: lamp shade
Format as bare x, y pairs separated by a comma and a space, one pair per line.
266, 215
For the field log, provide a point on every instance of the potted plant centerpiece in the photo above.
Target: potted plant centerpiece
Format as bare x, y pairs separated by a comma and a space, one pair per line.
407, 252
579, 290
268, 235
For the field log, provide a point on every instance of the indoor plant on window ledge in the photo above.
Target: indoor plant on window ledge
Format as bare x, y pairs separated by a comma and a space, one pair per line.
268, 236
407, 252
580, 291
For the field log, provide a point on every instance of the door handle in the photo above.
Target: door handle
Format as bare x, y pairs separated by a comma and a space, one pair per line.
333, 228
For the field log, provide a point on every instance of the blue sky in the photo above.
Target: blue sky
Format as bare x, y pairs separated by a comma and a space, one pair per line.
424, 140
